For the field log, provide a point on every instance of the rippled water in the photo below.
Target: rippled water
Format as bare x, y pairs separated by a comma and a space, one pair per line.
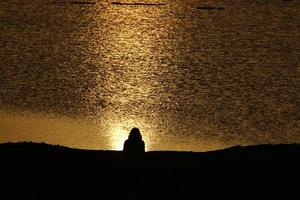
83, 75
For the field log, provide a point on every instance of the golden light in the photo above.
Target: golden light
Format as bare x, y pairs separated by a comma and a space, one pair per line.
49, 128
118, 134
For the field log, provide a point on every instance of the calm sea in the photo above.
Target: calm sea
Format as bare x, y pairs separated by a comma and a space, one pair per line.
83, 74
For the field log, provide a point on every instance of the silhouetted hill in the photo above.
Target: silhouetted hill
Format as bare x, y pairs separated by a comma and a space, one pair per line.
42, 171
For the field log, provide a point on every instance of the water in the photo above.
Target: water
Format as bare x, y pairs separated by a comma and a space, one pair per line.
83, 75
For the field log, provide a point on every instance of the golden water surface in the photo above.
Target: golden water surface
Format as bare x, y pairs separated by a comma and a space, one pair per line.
83, 75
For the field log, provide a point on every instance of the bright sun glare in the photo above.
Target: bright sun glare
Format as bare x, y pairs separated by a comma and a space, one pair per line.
119, 134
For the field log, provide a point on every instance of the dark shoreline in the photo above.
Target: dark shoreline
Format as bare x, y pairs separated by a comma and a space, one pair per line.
41, 171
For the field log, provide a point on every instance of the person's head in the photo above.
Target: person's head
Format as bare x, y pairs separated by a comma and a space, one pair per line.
135, 134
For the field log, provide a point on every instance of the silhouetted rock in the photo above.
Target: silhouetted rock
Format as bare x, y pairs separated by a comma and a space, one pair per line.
134, 145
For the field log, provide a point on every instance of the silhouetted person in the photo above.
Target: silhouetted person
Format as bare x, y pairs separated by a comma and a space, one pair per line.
134, 145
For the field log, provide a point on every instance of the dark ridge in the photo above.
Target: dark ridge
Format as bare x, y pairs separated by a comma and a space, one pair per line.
42, 171
40, 147
137, 4
210, 8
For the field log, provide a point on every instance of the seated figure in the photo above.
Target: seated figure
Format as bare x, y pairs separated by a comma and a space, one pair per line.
134, 144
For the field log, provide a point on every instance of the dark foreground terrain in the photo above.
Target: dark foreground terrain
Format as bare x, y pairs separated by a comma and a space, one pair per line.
41, 171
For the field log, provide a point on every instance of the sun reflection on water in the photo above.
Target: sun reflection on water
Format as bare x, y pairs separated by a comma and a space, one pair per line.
119, 134
188, 79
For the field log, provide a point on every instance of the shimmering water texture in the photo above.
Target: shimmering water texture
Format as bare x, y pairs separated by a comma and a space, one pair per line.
192, 75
